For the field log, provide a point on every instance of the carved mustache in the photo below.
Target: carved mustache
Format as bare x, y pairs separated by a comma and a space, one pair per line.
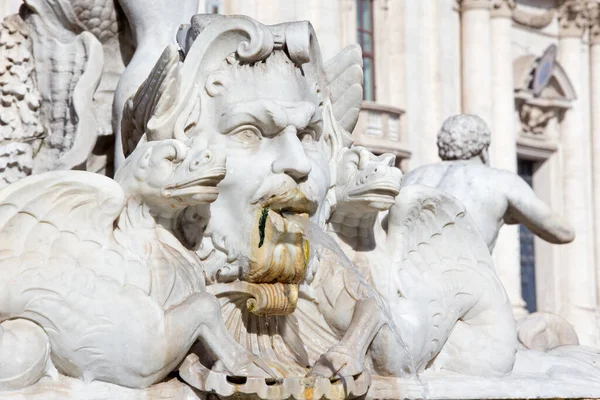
286, 194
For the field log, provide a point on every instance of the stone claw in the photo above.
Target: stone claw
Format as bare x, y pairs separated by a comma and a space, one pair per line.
336, 363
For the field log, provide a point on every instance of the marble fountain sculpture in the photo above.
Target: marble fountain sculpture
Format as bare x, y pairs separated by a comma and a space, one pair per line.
247, 249
494, 197
66, 69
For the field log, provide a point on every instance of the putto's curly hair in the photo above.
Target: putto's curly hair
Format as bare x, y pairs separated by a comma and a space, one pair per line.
462, 137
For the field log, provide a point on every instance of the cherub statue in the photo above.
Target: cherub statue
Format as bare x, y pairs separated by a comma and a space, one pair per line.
94, 280
493, 197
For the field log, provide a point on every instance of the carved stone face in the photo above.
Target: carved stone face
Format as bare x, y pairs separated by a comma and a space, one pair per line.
170, 175
267, 119
366, 183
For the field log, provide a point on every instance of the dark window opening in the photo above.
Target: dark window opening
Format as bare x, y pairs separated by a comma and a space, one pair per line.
365, 32
526, 241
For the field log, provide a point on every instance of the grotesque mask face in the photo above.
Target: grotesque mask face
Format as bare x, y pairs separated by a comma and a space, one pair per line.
267, 119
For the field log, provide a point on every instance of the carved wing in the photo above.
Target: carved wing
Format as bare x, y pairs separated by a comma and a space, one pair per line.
441, 265
57, 214
431, 232
153, 99
344, 76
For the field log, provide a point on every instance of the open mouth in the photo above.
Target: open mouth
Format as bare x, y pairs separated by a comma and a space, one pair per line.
201, 188
380, 190
293, 202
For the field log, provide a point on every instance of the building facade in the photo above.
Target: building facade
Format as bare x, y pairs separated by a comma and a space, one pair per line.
530, 68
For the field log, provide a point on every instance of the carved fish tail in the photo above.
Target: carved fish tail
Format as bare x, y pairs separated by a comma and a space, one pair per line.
24, 354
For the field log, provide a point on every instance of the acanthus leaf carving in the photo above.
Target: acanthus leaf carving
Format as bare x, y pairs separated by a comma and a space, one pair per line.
594, 22
572, 18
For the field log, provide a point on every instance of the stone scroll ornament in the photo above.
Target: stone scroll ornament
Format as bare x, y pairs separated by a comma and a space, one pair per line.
209, 257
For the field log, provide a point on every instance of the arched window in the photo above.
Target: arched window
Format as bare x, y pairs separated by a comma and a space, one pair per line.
364, 27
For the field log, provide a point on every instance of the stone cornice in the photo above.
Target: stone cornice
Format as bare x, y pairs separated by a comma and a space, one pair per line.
502, 8
572, 18
474, 4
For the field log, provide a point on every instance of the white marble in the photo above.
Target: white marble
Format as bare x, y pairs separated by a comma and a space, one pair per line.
246, 245
493, 197
575, 144
476, 52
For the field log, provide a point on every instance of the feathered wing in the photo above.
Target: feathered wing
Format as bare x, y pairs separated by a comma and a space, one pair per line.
153, 99
344, 75
440, 262
60, 215
61, 267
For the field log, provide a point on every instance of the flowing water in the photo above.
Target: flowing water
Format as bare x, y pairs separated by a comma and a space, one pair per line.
316, 235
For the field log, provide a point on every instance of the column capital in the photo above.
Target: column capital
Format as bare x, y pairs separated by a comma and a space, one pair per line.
502, 8
572, 18
474, 4
594, 21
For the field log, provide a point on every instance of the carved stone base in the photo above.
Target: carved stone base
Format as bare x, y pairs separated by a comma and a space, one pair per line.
433, 386
300, 388
64, 388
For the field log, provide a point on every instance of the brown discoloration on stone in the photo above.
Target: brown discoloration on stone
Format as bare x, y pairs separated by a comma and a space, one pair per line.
282, 255
273, 299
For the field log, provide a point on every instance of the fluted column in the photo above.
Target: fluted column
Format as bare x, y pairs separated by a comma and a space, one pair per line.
579, 273
594, 24
504, 145
476, 58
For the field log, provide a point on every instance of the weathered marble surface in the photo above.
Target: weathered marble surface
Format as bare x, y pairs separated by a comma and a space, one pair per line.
493, 197
210, 247
67, 68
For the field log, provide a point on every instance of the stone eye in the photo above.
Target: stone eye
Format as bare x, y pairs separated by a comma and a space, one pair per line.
248, 135
307, 137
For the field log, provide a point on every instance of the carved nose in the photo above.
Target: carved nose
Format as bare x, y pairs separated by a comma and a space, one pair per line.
292, 160
296, 166
205, 157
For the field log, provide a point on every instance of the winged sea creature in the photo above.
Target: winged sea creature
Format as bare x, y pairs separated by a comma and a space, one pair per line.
428, 297
92, 277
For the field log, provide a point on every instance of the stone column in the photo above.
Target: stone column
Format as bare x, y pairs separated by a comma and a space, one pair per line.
594, 39
503, 149
431, 93
579, 276
476, 58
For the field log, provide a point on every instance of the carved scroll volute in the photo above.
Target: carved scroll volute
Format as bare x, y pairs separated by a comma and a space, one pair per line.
217, 38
